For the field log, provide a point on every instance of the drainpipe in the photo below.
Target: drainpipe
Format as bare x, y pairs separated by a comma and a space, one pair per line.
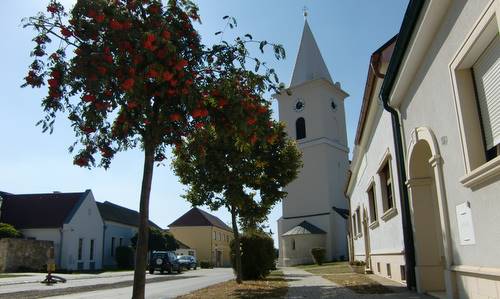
405, 33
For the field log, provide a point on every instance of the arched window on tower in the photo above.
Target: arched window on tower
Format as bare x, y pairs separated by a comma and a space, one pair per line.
300, 128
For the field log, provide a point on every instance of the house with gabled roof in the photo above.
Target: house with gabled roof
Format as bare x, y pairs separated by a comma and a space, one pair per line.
120, 224
208, 235
70, 220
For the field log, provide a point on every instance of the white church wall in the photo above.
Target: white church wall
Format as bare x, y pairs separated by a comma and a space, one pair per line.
297, 248
320, 183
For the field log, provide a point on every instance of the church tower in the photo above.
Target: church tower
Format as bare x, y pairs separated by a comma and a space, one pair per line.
315, 210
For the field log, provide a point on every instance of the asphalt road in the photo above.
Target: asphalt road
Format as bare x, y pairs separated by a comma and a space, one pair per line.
120, 286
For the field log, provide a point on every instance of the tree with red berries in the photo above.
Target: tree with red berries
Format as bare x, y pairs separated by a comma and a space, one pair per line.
240, 159
125, 74
133, 73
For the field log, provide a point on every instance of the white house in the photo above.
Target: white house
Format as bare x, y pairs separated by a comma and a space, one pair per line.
70, 220
442, 88
376, 233
120, 225
315, 210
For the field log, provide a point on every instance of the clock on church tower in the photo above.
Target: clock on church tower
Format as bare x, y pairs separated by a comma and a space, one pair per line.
314, 114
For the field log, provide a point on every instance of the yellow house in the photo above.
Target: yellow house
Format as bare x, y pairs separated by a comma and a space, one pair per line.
206, 234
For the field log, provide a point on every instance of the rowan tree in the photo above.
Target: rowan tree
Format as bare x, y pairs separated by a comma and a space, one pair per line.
240, 159
124, 72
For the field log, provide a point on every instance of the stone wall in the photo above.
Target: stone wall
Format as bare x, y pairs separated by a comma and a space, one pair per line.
23, 253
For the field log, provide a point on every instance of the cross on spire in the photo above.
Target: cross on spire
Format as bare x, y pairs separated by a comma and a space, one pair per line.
305, 11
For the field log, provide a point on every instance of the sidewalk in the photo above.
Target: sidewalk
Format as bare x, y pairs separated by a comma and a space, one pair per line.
38, 277
303, 284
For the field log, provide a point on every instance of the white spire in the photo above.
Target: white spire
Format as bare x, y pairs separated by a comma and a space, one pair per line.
309, 64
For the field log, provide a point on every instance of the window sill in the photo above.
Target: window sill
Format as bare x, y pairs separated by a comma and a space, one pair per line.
374, 224
389, 214
482, 175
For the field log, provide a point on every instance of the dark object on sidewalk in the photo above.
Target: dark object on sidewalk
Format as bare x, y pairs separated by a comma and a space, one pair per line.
52, 279
51, 267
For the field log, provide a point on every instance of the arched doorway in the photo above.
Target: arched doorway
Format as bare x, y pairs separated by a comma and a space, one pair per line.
429, 214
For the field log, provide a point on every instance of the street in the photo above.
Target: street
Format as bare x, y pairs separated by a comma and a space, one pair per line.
113, 285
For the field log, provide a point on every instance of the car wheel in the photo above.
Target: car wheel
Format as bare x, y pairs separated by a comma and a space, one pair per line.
151, 271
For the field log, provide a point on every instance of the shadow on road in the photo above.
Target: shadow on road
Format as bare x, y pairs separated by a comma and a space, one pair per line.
80, 289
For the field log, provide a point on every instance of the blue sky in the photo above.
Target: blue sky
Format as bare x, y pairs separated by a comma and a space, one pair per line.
347, 32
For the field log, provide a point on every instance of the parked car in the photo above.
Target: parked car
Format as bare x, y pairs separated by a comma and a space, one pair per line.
164, 261
187, 261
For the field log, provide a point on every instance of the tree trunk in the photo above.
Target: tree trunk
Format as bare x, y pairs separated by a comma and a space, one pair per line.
143, 234
237, 245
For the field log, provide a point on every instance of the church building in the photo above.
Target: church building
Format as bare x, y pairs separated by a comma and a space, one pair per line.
315, 210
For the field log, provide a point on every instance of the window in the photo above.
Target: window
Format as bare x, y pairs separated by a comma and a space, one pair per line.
486, 72
215, 235
386, 184
358, 220
354, 225
120, 242
378, 267
388, 267
220, 236
300, 128
372, 204
91, 250
80, 249
403, 272
293, 244
475, 77
113, 246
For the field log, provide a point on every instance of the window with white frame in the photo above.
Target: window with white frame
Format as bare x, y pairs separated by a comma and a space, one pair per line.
80, 249
486, 73
372, 203
475, 74
354, 225
386, 186
358, 220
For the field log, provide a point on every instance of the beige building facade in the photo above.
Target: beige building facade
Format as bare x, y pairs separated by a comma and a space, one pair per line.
443, 86
206, 234
375, 227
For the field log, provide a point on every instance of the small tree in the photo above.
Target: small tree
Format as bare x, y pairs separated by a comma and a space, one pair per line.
158, 240
124, 256
9, 231
319, 255
257, 254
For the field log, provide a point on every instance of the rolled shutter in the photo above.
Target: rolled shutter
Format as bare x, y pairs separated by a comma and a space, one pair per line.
487, 79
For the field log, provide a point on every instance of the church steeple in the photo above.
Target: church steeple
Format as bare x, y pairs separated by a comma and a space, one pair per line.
309, 64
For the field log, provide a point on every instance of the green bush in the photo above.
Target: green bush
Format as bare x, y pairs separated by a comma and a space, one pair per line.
318, 255
8, 231
258, 255
357, 263
124, 257
206, 265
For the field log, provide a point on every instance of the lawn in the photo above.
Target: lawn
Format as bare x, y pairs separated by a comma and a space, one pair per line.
340, 273
273, 286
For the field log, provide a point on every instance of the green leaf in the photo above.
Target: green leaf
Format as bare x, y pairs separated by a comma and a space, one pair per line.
262, 45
